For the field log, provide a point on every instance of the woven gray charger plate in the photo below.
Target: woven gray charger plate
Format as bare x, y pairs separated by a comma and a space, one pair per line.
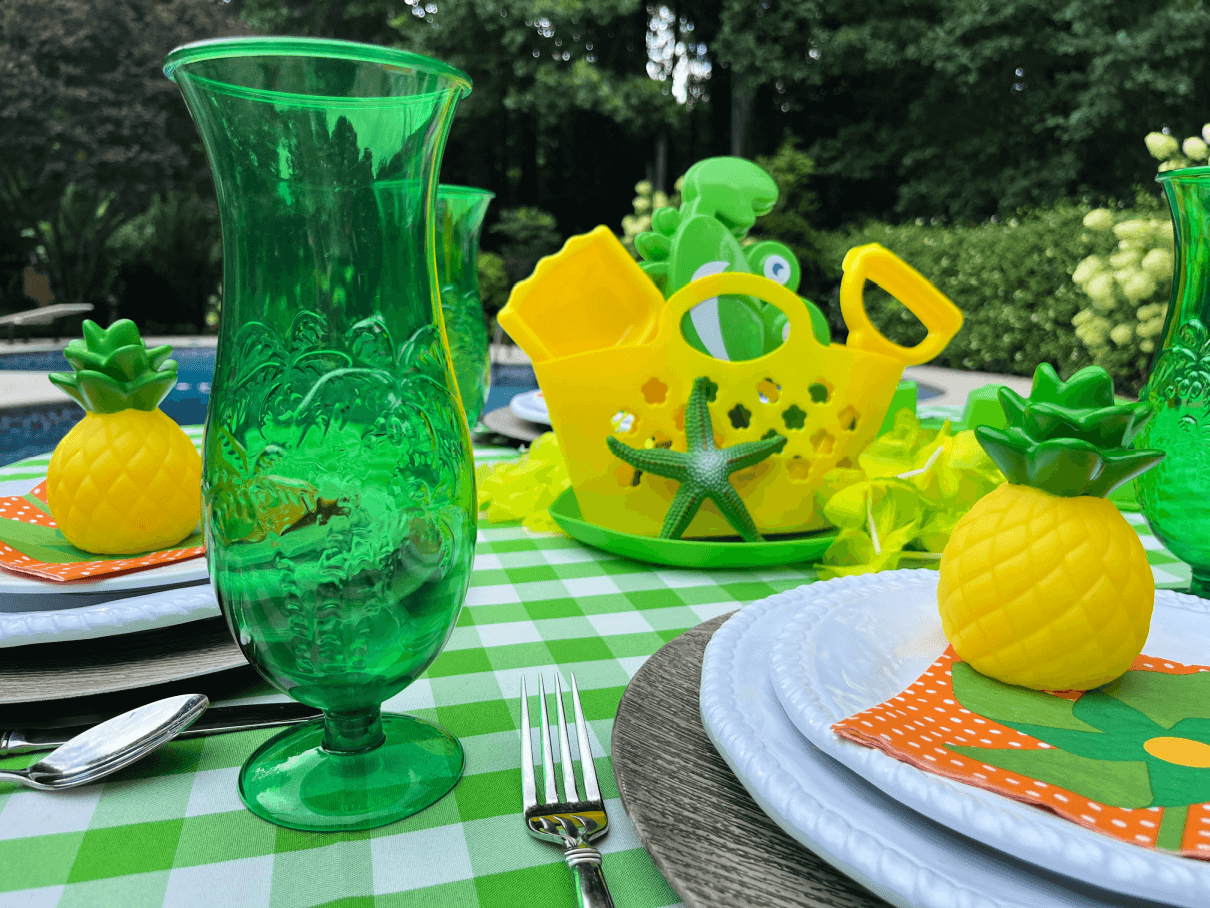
712, 843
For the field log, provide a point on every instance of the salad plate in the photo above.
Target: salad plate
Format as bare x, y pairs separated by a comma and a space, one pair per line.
531, 406
852, 643
897, 853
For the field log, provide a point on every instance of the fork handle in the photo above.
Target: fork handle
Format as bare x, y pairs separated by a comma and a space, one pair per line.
585, 864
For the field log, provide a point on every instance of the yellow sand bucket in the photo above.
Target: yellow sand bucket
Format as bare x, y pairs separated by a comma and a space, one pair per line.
602, 376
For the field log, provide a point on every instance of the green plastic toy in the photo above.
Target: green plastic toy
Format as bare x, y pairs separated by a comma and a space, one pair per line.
721, 200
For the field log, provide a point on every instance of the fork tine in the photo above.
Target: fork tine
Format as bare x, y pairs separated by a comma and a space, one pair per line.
569, 769
548, 760
591, 791
529, 790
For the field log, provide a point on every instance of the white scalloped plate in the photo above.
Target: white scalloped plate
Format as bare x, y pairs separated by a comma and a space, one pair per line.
895, 852
854, 642
116, 616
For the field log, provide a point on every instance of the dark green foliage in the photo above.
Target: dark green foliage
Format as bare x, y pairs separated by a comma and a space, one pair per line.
91, 128
1011, 279
792, 220
527, 232
963, 110
494, 285
563, 115
169, 263
525, 235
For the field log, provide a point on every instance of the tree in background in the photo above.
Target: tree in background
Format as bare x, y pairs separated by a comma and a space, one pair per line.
947, 108
91, 128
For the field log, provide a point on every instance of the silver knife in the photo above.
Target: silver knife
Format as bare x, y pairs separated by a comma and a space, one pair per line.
214, 721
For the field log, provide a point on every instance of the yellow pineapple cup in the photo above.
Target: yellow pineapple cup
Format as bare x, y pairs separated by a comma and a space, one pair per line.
126, 479
1043, 583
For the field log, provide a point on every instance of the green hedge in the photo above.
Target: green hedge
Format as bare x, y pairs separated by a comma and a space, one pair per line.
1011, 279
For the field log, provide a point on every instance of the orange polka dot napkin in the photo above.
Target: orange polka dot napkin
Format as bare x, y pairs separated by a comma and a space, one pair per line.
1130, 759
31, 545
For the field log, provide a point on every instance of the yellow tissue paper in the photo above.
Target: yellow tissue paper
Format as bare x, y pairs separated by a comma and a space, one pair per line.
524, 489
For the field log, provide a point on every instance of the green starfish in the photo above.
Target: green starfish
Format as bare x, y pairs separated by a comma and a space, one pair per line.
703, 470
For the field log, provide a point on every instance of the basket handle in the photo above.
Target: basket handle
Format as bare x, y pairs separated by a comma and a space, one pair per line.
878, 264
738, 283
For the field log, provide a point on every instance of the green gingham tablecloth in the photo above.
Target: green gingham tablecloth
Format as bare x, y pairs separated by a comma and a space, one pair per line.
171, 830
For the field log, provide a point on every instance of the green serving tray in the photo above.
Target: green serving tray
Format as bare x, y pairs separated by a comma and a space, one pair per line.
690, 553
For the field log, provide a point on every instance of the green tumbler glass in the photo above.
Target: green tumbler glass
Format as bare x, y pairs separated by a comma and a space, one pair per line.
338, 488
1175, 495
460, 211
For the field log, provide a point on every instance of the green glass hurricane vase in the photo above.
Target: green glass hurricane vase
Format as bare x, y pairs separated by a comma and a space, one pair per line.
1175, 495
338, 492
460, 211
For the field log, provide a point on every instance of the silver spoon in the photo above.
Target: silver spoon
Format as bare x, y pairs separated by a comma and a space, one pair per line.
113, 744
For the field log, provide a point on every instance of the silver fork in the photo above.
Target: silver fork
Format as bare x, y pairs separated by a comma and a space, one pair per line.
571, 822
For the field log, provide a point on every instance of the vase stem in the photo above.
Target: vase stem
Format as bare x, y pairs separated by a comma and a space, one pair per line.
353, 732
1201, 583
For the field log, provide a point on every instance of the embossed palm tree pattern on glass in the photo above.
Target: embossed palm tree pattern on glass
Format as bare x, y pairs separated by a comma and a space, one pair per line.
337, 484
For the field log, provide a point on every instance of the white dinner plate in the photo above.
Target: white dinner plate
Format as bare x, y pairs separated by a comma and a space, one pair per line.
531, 406
14, 586
857, 641
115, 616
890, 849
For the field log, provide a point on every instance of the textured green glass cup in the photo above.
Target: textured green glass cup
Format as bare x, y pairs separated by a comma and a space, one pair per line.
337, 481
460, 211
1175, 494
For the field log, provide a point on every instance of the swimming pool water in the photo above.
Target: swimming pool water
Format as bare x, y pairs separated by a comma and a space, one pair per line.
29, 431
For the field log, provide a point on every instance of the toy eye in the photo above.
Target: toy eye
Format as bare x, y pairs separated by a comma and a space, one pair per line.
777, 269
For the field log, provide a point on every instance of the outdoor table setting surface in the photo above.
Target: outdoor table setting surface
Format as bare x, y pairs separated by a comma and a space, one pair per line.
172, 831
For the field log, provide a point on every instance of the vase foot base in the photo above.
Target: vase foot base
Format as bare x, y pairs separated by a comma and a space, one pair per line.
293, 782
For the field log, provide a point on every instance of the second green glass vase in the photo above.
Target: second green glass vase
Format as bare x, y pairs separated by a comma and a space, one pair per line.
338, 494
460, 211
1175, 496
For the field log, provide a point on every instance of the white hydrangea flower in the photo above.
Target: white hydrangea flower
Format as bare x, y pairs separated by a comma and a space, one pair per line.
1100, 219
1147, 346
1087, 268
1122, 334
1139, 286
1136, 230
1081, 317
1150, 328
1194, 149
643, 187
1158, 263
1100, 289
1206, 133
1126, 258
1162, 147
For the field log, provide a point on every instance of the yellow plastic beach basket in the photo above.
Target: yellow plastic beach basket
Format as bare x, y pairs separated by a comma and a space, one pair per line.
604, 371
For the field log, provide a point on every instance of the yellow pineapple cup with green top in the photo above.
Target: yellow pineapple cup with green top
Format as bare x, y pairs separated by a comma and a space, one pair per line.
1043, 583
126, 479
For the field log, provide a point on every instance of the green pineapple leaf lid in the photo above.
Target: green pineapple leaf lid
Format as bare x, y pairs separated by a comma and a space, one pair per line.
115, 371
1068, 438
